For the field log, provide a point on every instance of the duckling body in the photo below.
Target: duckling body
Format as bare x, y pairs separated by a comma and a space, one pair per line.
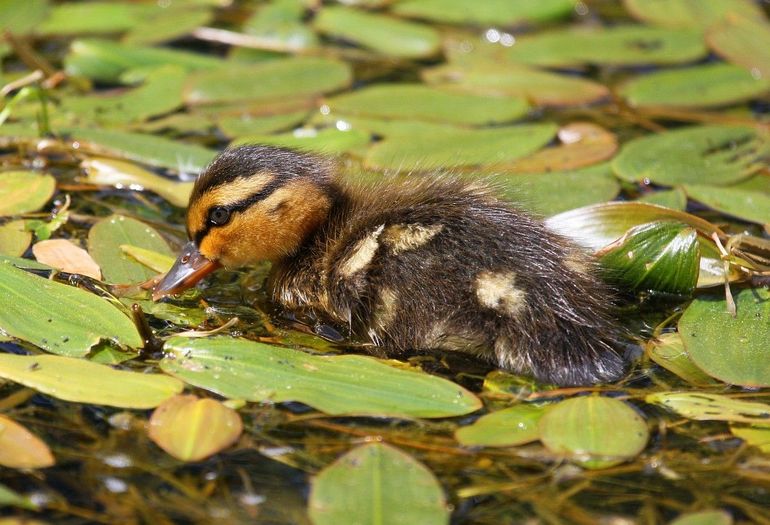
428, 263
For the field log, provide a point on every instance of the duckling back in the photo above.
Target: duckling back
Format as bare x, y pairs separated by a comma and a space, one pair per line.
440, 263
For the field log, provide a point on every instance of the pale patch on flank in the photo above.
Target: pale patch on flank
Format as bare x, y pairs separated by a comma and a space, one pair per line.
497, 290
362, 254
578, 262
508, 358
385, 309
443, 337
403, 237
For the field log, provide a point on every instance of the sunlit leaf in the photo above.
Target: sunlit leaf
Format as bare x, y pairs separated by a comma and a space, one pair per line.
485, 12
743, 40
179, 315
381, 33
92, 17
675, 198
247, 124
20, 448
376, 484
105, 239
697, 86
736, 349
14, 238
719, 155
660, 256
157, 262
58, 318
170, 23
755, 435
689, 13
711, 407
504, 428
346, 384
66, 256
595, 431
415, 101
24, 191
22, 16
281, 23
330, 140
668, 351
11, 498
82, 381
192, 429
746, 204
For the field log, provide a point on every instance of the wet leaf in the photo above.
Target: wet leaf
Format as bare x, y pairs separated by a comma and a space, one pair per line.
660, 256
22, 16
346, 384
14, 238
330, 140
595, 431
192, 429
182, 316
247, 124
720, 155
157, 262
170, 23
11, 498
668, 351
743, 40
281, 23
376, 484
485, 12
676, 199
415, 101
23, 264
24, 191
689, 13
386, 35
504, 428
457, 147
732, 349
278, 79
92, 17
707, 85
105, 239
58, 318
754, 435
82, 381
747, 204
711, 407
541, 88
122, 174
20, 448
66, 256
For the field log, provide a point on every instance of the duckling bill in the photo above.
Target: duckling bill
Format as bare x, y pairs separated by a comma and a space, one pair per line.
427, 263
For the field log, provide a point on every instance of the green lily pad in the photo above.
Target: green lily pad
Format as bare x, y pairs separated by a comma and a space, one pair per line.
711, 407
735, 350
245, 124
278, 79
14, 238
346, 384
280, 23
668, 351
386, 35
376, 484
82, 381
484, 12
24, 191
415, 101
661, 257
743, 40
720, 155
168, 24
704, 86
749, 205
330, 140
92, 17
457, 147
618, 46
689, 13
675, 198
541, 88
755, 435
22, 16
504, 428
594, 431
104, 244
157, 262
58, 318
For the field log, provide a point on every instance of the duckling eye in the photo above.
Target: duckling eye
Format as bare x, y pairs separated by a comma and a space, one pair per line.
219, 216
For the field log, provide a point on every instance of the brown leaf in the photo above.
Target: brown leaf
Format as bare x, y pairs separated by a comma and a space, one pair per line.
67, 257
19, 448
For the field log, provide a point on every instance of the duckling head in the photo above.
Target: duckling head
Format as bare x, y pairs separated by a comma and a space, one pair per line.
253, 203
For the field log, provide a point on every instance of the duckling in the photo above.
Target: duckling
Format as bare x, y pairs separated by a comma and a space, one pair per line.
433, 262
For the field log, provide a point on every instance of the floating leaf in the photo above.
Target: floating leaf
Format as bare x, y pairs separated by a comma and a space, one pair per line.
330, 140
747, 204
20, 448
66, 256
14, 238
376, 484
661, 257
696, 86
504, 428
157, 262
248, 124
457, 147
105, 239
170, 23
719, 155
415, 101
192, 429
485, 12
122, 174
92, 17
11, 498
732, 349
676, 199
595, 431
278, 79
380, 33
711, 407
22, 16
668, 351
58, 318
347, 384
24, 191
689, 13
281, 23
755, 435
82, 381
744, 41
